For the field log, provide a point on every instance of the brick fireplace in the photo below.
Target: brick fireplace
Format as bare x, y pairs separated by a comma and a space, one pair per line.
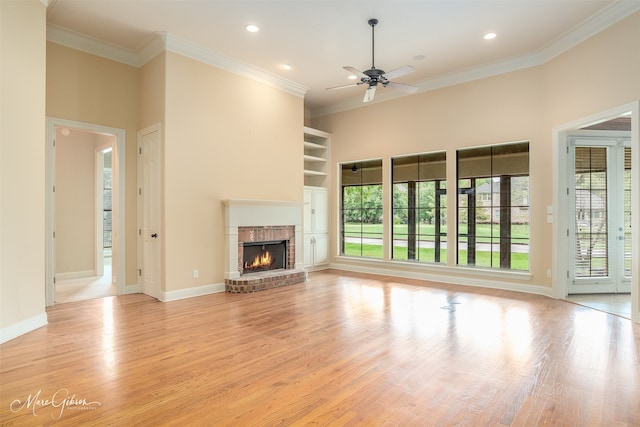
261, 223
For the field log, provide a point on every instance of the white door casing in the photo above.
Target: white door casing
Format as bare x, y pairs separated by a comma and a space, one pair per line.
558, 214
119, 168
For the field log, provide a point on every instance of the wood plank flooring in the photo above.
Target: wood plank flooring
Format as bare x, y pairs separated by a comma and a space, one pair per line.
341, 349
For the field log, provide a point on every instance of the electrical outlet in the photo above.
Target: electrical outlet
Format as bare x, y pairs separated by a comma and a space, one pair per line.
195, 274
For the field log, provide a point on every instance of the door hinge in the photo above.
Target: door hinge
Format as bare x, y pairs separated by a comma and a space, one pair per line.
139, 150
54, 188
567, 274
54, 280
567, 232
54, 234
140, 272
139, 191
54, 142
139, 232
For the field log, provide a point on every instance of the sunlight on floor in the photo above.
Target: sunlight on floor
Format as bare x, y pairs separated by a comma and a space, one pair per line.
619, 304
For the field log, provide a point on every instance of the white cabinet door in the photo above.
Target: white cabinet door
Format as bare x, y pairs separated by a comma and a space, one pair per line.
321, 249
308, 206
316, 226
308, 250
320, 210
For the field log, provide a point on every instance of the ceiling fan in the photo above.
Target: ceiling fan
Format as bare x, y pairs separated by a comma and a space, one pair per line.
375, 76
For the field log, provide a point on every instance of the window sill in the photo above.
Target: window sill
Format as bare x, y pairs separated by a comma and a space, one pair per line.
438, 268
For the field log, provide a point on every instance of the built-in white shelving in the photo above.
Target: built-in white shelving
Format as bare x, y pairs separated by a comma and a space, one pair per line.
316, 156
317, 153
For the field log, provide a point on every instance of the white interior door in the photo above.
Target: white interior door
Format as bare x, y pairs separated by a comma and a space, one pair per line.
600, 200
150, 155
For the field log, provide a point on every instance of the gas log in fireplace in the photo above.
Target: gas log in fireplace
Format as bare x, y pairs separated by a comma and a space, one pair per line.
264, 256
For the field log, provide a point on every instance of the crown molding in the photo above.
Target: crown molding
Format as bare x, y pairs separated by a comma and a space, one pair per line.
151, 47
160, 41
588, 28
90, 45
208, 56
442, 81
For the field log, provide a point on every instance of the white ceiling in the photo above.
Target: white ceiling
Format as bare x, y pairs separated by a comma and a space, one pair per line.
318, 38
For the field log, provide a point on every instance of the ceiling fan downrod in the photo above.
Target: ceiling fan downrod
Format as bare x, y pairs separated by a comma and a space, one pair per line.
373, 22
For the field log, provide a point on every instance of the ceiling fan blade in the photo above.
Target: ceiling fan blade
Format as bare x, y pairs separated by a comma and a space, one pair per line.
403, 87
369, 94
343, 86
356, 72
406, 69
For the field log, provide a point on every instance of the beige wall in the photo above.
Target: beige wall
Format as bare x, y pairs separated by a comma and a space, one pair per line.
596, 75
90, 89
22, 133
75, 214
599, 74
226, 136
152, 91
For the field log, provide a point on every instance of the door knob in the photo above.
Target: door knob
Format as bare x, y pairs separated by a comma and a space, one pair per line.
154, 235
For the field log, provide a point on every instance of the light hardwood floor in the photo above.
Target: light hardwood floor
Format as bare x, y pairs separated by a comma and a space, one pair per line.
341, 349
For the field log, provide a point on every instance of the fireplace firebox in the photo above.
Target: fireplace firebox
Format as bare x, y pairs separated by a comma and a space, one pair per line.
264, 256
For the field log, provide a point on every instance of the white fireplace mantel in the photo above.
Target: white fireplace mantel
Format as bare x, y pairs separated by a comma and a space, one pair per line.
259, 213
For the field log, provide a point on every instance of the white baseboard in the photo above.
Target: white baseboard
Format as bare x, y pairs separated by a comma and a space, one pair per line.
196, 291
75, 275
132, 289
443, 277
20, 328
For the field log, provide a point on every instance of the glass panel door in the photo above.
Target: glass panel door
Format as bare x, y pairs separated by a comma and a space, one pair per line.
600, 232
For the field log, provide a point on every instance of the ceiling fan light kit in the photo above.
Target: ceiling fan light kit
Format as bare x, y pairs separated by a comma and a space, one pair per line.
375, 76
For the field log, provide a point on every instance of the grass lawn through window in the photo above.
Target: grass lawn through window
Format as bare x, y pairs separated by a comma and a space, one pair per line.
519, 261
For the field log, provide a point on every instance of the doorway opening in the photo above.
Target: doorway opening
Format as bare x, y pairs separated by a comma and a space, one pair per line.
596, 207
83, 214
85, 255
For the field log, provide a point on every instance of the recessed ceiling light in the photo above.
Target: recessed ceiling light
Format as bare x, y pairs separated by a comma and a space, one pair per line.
490, 36
419, 58
352, 77
286, 66
252, 28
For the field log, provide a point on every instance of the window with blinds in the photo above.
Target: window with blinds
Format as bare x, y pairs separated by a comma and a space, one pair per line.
627, 212
591, 225
493, 206
419, 201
